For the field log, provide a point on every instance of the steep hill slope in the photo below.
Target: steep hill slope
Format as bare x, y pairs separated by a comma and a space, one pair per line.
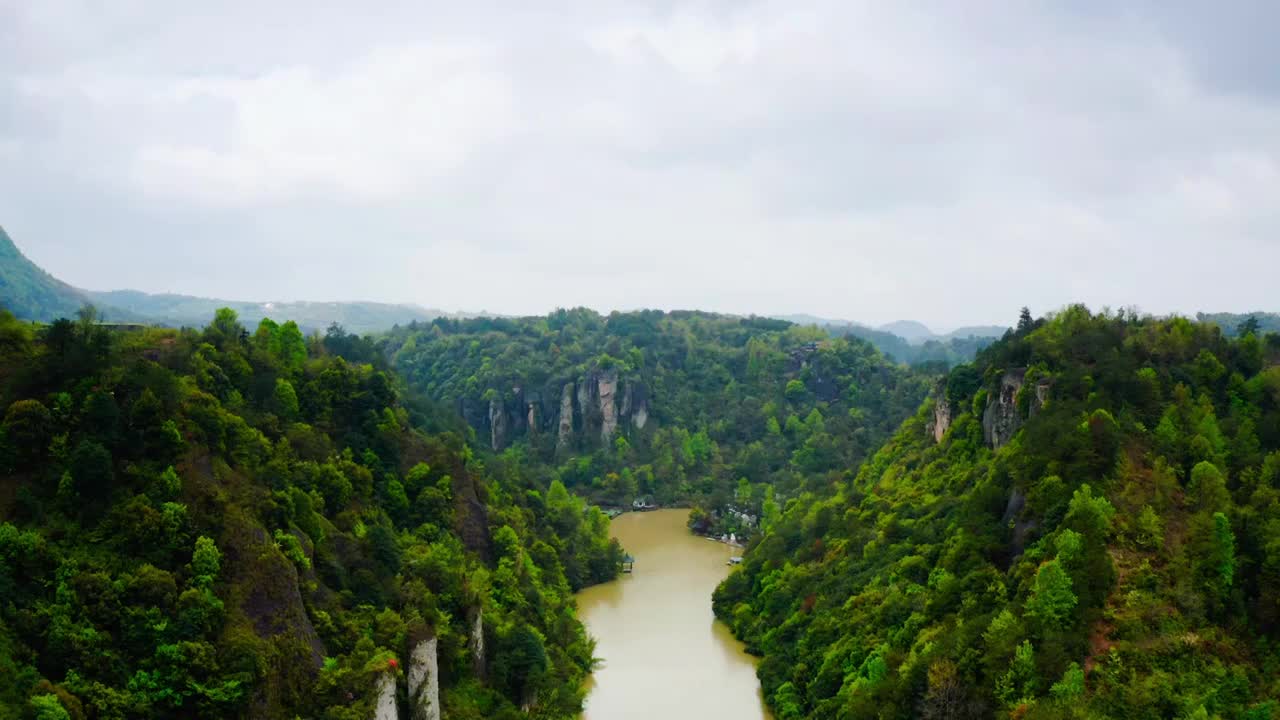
31, 293
219, 524
1084, 523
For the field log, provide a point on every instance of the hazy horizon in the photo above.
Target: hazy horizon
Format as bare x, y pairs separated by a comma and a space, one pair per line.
855, 161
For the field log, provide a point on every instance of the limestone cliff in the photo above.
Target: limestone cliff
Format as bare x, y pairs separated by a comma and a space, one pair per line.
424, 680
635, 404
497, 424
607, 389
592, 409
586, 400
1041, 396
1001, 419
384, 707
943, 413
475, 643
564, 436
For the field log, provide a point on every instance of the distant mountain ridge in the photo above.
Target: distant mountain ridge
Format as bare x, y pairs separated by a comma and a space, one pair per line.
357, 317
912, 331
31, 293
910, 341
1231, 323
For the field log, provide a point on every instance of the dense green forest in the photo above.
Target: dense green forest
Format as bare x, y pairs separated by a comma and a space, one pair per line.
675, 407
223, 523
1083, 523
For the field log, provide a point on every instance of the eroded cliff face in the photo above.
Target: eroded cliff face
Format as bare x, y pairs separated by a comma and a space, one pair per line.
384, 707
475, 643
497, 424
606, 394
424, 680
1041, 397
1001, 419
591, 409
564, 435
266, 594
635, 402
943, 413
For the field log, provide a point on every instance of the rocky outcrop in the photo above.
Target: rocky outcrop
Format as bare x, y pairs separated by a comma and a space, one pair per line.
475, 411
424, 680
1041, 396
384, 707
1001, 419
564, 435
943, 413
1021, 526
606, 392
593, 408
635, 404
586, 400
497, 424
798, 358
475, 642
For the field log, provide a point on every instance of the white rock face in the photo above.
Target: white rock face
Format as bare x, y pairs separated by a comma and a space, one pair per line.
941, 415
585, 389
565, 435
497, 424
608, 387
385, 708
1001, 419
477, 642
424, 681
641, 415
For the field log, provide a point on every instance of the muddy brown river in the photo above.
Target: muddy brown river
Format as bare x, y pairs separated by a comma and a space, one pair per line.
664, 655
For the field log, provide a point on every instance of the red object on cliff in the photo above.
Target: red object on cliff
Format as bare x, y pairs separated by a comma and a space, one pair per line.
393, 664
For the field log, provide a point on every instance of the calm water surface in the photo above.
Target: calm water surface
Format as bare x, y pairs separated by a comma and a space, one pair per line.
665, 656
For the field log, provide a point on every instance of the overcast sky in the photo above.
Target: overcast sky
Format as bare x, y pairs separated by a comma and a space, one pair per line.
942, 161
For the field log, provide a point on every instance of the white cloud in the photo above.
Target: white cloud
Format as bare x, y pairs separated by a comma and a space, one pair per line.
383, 126
868, 160
688, 42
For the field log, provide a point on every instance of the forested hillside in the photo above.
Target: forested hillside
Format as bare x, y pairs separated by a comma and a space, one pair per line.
221, 523
1083, 523
680, 406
